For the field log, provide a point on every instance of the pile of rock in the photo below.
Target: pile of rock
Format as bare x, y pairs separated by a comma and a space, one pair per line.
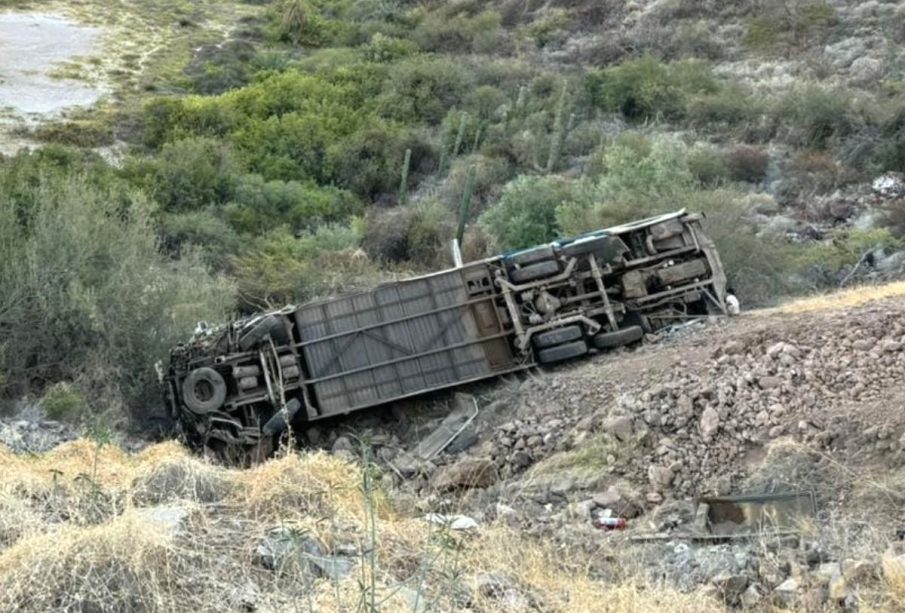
692, 424
34, 435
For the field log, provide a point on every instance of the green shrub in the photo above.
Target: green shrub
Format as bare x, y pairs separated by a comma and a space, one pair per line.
747, 163
763, 33
221, 67
281, 267
485, 102
259, 205
646, 88
760, 268
369, 163
430, 229
637, 178
423, 89
708, 166
75, 133
387, 49
825, 262
81, 277
656, 170
203, 229
62, 401
815, 116
300, 23
526, 212
443, 32
782, 23
731, 105
194, 173
549, 29
491, 174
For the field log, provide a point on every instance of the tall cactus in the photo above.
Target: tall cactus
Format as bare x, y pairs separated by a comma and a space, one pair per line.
559, 131
521, 102
460, 136
404, 181
465, 208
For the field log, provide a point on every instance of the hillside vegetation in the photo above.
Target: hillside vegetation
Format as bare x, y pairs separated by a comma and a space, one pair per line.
267, 152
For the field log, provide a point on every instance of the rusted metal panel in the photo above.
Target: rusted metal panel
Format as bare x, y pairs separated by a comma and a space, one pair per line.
758, 512
396, 340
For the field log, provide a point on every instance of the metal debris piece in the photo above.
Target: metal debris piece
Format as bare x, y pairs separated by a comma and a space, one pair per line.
729, 515
450, 428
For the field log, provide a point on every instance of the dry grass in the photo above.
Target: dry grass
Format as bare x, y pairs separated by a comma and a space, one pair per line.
74, 537
840, 299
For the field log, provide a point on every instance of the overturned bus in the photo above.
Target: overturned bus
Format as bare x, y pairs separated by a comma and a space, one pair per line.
238, 386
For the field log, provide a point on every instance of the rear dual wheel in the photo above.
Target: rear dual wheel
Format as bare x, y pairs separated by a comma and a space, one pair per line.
618, 338
561, 353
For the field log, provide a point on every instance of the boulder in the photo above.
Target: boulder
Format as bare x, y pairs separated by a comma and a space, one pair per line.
290, 551
710, 422
170, 519
614, 500
856, 572
768, 383
730, 585
787, 595
660, 477
619, 426
466, 473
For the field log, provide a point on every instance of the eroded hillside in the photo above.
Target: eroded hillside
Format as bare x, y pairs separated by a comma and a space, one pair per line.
800, 399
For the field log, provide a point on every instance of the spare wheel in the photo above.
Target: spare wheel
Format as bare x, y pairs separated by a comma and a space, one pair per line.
204, 390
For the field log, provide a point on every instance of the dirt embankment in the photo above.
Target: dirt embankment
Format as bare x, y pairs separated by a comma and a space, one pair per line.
802, 399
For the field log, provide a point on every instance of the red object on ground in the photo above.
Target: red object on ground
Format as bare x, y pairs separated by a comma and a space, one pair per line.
609, 523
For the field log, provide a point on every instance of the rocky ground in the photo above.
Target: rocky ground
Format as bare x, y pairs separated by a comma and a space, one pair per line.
765, 403
805, 398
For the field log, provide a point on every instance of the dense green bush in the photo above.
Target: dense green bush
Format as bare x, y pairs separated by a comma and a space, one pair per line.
814, 116
194, 173
635, 176
491, 175
707, 165
732, 105
747, 163
259, 205
62, 401
205, 230
85, 295
281, 267
526, 212
451, 31
369, 163
75, 133
782, 23
647, 88
423, 89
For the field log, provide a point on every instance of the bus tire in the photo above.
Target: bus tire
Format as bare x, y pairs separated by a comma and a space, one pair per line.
623, 336
557, 336
533, 272
532, 256
204, 390
560, 353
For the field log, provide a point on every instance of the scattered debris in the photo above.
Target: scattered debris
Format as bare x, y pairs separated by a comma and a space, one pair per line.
453, 522
452, 426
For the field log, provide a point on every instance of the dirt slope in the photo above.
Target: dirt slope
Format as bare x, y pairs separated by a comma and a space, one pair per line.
806, 397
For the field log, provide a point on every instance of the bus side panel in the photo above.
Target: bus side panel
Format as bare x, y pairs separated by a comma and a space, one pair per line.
394, 341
